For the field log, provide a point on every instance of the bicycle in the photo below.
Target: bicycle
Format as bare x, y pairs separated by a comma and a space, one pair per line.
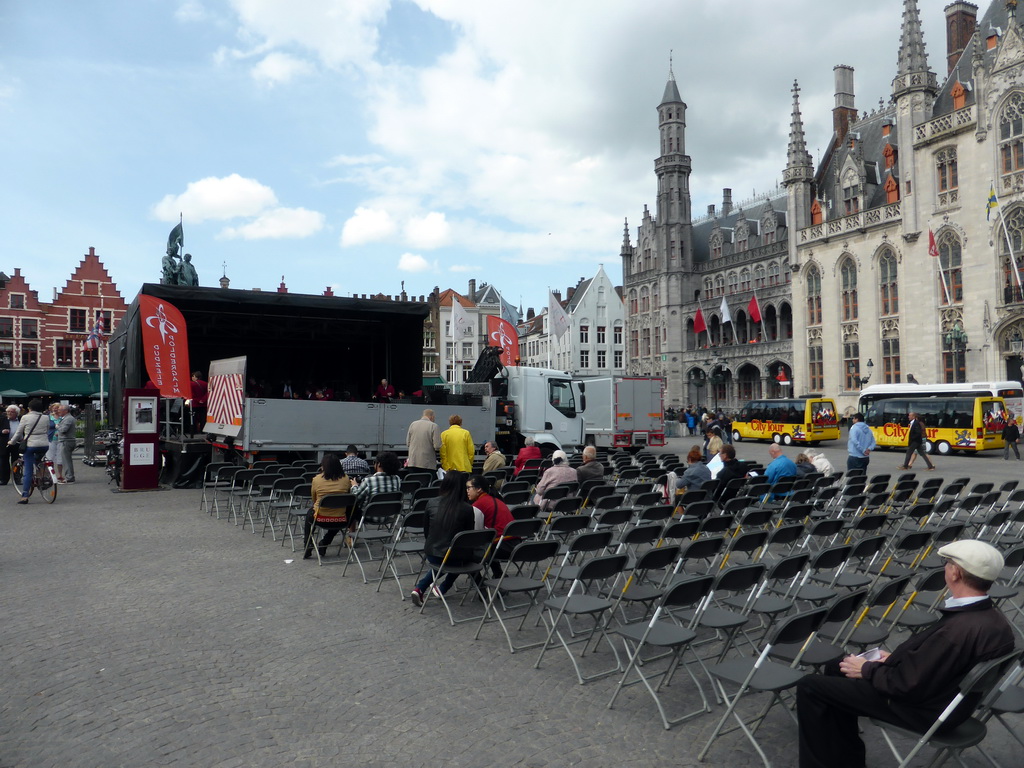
43, 477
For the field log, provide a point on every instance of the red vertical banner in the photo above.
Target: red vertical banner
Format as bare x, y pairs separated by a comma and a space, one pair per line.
165, 344
501, 333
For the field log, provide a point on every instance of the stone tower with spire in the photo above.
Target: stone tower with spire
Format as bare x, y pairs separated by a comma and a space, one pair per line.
799, 174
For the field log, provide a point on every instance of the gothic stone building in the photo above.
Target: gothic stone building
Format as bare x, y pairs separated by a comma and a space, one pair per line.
903, 269
716, 265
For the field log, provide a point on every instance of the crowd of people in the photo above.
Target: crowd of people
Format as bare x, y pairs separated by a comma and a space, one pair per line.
38, 433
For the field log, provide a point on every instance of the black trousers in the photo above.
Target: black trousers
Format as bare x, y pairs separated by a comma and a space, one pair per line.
7, 455
828, 707
916, 448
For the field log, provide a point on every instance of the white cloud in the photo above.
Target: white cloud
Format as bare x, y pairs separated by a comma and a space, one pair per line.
355, 160
338, 31
217, 199
430, 231
413, 262
464, 268
191, 11
367, 225
277, 224
277, 68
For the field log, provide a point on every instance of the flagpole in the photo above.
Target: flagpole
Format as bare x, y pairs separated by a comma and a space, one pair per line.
1009, 243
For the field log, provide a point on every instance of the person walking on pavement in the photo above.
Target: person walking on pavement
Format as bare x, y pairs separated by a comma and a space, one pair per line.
915, 443
66, 439
1011, 436
859, 444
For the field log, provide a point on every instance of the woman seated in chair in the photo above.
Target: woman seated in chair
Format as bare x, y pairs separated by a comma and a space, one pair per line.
448, 514
495, 514
331, 480
559, 472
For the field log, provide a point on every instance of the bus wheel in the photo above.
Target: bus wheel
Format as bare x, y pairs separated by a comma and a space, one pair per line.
736, 436
929, 446
787, 439
777, 438
942, 448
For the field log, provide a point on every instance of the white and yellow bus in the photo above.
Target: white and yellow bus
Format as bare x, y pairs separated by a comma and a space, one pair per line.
803, 420
1010, 391
950, 423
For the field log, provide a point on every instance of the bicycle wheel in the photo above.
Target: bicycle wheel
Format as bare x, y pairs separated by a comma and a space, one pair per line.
47, 488
17, 474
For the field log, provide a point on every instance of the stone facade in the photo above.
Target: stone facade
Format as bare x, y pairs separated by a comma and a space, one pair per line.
902, 269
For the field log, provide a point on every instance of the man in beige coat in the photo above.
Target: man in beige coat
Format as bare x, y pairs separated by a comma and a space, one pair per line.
424, 441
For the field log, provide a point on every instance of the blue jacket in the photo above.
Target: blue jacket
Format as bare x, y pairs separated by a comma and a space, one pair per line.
861, 439
781, 467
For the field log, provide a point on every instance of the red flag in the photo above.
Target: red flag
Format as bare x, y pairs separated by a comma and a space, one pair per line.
753, 310
501, 333
933, 249
165, 341
698, 322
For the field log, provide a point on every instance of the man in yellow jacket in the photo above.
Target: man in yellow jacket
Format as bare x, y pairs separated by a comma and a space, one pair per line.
456, 446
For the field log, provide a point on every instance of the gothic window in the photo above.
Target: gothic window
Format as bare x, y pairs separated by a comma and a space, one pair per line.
787, 274
632, 303
768, 228
773, 273
645, 300
951, 289
709, 287
816, 368
891, 360
719, 285
742, 235
734, 282
851, 200
945, 170
888, 286
645, 342
634, 344
655, 297
813, 297
716, 245
848, 281
1013, 271
745, 279
1011, 134
851, 365
759, 277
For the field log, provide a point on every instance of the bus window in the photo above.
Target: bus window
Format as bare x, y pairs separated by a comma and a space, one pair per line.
560, 397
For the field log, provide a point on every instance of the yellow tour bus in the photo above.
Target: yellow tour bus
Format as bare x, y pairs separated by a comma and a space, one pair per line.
801, 420
950, 423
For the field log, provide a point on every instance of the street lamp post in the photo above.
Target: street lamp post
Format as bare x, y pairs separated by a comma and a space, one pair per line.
956, 340
853, 370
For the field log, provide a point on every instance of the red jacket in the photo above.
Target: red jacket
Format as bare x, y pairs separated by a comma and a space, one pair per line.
525, 454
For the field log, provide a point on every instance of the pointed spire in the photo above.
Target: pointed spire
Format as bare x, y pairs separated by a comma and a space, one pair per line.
799, 165
671, 95
625, 235
912, 71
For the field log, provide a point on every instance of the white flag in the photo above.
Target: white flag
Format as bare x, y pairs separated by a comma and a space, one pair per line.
460, 328
558, 318
726, 317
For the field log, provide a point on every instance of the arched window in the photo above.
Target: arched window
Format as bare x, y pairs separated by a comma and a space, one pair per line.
760, 279
744, 279
719, 285
1013, 271
709, 288
848, 282
773, 273
787, 274
715, 243
645, 300
888, 286
734, 282
633, 307
813, 296
655, 297
1011, 134
951, 289
946, 174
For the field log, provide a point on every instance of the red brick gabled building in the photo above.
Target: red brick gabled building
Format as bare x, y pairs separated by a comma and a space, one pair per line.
42, 344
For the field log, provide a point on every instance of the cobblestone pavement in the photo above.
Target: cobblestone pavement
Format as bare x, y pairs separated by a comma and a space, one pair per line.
139, 631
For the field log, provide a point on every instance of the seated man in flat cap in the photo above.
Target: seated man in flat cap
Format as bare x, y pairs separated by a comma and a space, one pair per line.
913, 684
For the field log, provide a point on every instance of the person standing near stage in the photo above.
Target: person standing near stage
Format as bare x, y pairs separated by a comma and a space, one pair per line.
457, 447
200, 392
859, 443
424, 441
915, 443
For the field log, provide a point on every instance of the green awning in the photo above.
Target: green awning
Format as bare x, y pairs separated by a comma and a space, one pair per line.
71, 383
26, 381
434, 381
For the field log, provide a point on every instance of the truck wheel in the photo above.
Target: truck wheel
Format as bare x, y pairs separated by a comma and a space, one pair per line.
787, 439
777, 438
736, 436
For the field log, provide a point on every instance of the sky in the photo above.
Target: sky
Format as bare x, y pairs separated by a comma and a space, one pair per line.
363, 144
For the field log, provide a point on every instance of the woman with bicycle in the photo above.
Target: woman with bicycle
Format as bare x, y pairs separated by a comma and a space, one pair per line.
32, 429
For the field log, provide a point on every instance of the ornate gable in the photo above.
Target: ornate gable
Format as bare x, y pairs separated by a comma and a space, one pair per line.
1010, 52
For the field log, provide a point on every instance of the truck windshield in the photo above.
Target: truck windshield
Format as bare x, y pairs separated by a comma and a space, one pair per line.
560, 396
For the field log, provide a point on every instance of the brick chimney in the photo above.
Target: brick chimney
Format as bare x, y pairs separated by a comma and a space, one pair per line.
472, 291
960, 20
844, 113
328, 291
726, 201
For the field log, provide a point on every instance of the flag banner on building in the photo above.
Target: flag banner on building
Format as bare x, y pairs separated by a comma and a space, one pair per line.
698, 322
558, 318
993, 202
95, 337
460, 327
225, 396
508, 312
726, 316
754, 310
501, 333
176, 239
933, 249
165, 343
